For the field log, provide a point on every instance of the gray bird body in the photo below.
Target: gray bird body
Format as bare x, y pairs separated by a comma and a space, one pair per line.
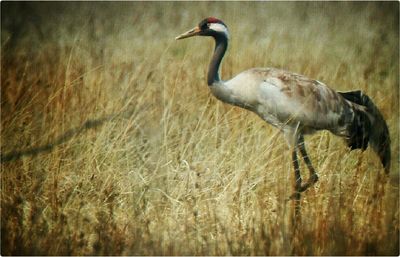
296, 104
287, 100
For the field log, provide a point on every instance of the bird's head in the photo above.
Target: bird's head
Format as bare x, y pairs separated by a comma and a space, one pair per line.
208, 27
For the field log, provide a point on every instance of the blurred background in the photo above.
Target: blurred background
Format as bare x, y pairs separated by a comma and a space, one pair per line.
113, 145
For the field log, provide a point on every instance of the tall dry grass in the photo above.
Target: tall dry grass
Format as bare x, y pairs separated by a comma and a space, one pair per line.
112, 144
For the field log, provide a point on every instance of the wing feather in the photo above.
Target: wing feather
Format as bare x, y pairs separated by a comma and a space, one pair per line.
283, 98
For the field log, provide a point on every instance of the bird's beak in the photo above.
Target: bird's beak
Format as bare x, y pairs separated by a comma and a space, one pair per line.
193, 32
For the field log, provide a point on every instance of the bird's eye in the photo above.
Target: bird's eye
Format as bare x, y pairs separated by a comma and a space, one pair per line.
205, 26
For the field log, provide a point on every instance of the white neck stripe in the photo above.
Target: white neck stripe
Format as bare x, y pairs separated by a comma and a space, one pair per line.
219, 28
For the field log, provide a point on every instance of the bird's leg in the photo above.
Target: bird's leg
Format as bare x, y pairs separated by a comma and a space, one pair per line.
297, 176
313, 175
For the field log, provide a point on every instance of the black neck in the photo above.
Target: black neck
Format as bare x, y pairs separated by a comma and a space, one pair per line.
221, 44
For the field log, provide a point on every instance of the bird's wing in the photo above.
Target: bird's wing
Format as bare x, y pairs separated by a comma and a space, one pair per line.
293, 98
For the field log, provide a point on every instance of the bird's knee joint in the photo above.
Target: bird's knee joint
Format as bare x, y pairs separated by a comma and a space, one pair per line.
314, 178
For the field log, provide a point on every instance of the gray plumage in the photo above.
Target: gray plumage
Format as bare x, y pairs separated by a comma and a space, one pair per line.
296, 104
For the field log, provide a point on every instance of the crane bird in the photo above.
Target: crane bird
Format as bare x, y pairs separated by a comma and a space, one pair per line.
296, 105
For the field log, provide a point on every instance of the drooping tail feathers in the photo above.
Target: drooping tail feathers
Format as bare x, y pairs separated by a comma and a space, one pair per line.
368, 126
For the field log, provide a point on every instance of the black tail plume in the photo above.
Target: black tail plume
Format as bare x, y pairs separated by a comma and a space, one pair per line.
368, 126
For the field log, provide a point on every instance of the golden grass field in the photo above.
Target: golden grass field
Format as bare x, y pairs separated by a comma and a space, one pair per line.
112, 143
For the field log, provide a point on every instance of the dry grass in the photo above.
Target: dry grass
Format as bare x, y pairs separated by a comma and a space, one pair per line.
118, 148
